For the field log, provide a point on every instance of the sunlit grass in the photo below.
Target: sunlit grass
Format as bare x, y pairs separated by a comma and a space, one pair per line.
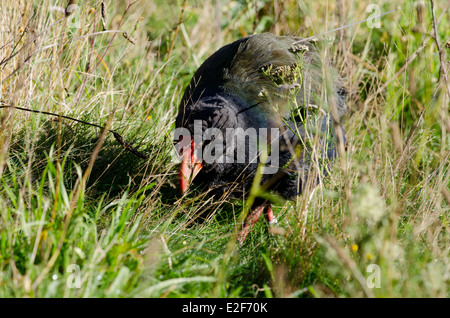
123, 229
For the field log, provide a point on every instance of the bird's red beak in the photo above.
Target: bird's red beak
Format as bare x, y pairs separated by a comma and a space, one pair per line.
189, 167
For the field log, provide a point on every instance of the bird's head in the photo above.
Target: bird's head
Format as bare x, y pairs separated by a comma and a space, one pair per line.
200, 138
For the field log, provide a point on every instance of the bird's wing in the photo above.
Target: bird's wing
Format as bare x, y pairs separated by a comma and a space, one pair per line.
275, 73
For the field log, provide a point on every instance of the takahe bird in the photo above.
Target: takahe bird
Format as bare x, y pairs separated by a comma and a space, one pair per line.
267, 90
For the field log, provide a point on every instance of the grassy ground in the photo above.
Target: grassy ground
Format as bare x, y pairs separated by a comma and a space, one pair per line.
82, 217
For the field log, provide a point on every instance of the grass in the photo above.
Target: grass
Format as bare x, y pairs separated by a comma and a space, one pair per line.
83, 217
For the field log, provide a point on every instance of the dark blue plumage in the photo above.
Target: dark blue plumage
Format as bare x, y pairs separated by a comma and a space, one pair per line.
264, 81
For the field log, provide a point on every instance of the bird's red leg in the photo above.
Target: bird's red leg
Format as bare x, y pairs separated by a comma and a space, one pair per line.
270, 217
253, 217
250, 222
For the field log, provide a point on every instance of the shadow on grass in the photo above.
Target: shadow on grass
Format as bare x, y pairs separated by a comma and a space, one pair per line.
115, 168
